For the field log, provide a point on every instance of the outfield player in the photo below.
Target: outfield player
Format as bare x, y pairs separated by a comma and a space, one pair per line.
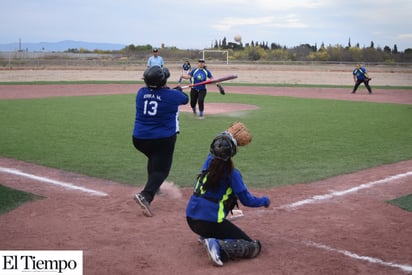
360, 75
215, 193
155, 130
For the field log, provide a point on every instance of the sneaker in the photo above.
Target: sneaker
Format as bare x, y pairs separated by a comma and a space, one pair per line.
201, 117
213, 251
140, 199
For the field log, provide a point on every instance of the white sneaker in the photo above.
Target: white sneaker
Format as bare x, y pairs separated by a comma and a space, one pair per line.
213, 251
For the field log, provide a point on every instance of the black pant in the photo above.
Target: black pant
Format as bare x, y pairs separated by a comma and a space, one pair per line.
223, 230
160, 157
358, 82
197, 96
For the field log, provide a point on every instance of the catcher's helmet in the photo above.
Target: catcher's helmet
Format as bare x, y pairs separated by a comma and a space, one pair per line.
155, 77
224, 146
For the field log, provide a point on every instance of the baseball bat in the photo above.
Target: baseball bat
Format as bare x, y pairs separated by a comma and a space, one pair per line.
211, 81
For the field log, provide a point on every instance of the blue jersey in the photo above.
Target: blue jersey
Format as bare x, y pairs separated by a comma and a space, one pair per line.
157, 112
209, 205
199, 75
155, 61
186, 66
360, 73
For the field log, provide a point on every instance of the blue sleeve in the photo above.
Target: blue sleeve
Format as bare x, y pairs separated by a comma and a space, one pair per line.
240, 189
182, 96
249, 200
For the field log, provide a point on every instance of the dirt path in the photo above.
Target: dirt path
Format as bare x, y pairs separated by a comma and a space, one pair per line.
311, 238
340, 225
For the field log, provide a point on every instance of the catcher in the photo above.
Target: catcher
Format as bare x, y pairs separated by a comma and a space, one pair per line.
361, 76
216, 191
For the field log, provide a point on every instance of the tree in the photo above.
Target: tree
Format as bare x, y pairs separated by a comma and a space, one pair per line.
395, 49
387, 49
275, 46
224, 43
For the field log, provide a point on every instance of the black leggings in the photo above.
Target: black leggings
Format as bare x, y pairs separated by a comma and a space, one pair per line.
160, 157
197, 97
359, 82
223, 230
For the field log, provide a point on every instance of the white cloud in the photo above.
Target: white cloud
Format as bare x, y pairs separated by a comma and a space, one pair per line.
405, 36
289, 21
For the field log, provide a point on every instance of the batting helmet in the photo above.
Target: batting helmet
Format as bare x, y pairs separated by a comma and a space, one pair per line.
223, 146
155, 77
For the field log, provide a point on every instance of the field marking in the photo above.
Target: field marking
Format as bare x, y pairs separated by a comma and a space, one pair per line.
403, 267
318, 198
51, 181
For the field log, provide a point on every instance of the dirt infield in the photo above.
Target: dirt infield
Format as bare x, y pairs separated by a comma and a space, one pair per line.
340, 225
320, 237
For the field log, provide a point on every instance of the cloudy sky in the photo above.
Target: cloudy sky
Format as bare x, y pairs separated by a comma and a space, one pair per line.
198, 24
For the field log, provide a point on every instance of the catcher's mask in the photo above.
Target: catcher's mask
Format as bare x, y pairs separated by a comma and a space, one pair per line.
155, 77
224, 146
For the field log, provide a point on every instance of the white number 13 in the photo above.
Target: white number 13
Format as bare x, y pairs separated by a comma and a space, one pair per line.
150, 107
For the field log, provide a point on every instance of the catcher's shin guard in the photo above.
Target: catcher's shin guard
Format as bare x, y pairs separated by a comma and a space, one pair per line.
236, 249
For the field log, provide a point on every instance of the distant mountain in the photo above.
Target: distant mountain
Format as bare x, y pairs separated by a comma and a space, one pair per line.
59, 46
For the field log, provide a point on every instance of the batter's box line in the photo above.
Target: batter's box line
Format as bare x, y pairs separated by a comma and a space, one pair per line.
318, 198
65, 185
403, 267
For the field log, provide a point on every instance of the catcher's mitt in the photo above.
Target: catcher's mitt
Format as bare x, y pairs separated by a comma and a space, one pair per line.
240, 132
221, 90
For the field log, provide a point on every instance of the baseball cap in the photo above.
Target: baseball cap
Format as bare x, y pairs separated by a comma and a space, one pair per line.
155, 50
201, 60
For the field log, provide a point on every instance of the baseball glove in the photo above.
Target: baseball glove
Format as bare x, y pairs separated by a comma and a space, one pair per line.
221, 90
240, 132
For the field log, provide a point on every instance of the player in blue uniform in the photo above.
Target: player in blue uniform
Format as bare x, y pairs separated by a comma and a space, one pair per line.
215, 193
360, 75
186, 68
155, 59
155, 130
198, 93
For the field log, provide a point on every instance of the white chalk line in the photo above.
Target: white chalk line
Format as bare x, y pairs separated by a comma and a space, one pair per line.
54, 182
406, 268
319, 198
